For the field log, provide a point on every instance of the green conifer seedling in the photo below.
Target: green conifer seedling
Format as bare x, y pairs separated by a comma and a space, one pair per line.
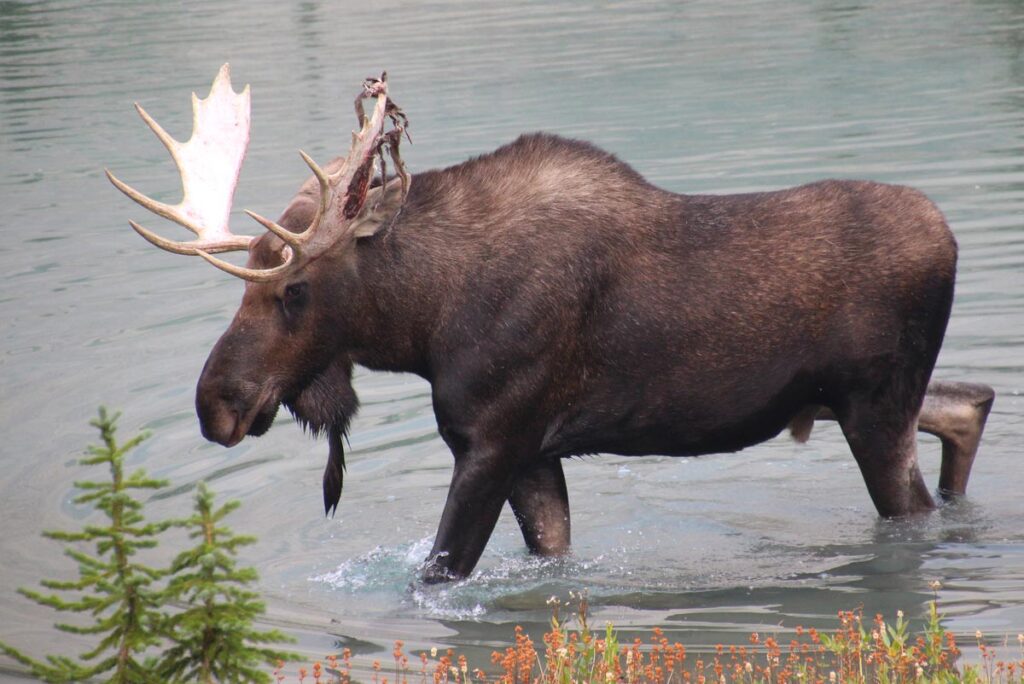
113, 588
214, 637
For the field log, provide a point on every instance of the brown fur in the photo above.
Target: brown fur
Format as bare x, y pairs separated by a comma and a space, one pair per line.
559, 304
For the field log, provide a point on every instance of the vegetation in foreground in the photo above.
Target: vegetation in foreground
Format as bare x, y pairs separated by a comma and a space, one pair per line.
194, 622
857, 652
208, 636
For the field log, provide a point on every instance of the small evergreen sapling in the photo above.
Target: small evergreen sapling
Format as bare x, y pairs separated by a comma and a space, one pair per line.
113, 588
214, 637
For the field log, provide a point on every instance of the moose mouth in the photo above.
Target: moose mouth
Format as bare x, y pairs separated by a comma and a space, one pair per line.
228, 421
326, 400
255, 424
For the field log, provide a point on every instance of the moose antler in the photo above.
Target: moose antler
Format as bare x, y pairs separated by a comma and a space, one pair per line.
342, 193
209, 165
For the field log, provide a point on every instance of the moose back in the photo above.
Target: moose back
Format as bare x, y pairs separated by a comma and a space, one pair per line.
559, 304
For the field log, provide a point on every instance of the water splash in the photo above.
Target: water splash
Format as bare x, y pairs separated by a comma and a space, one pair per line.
505, 580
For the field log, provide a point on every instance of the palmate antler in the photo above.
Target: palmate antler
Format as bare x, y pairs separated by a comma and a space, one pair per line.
209, 164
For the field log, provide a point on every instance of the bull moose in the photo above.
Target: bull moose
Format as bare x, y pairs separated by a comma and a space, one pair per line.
559, 304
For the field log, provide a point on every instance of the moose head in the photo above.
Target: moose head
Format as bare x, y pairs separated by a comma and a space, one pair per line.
282, 346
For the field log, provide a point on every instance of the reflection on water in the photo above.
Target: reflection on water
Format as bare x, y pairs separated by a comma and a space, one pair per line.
700, 97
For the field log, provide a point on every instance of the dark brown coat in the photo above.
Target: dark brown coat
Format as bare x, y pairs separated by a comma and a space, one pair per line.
559, 304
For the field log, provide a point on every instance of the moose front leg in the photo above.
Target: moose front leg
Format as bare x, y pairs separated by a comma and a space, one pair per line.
481, 484
540, 502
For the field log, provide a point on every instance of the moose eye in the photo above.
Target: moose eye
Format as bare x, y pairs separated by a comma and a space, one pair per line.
294, 298
294, 293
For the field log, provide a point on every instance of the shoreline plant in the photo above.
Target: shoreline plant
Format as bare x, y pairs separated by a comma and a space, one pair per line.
859, 651
192, 621
113, 587
214, 639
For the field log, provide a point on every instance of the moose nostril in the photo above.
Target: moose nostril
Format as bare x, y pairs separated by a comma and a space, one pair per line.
218, 419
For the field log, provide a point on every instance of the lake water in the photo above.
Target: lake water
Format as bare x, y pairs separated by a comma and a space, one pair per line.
705, 96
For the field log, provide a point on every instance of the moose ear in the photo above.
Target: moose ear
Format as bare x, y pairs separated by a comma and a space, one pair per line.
382, 203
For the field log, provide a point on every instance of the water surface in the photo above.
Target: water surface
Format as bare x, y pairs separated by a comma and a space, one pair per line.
699, 97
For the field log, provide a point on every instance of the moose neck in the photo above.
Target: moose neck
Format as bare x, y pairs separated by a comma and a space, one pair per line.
398, 298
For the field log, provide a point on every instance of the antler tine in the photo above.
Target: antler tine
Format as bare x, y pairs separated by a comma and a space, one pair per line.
325, 194
320, 174
258, 275
189, 248
289, 238
209, 164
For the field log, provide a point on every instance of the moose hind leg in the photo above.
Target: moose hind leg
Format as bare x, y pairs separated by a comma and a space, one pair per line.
956, 412
885, 447
540, 502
